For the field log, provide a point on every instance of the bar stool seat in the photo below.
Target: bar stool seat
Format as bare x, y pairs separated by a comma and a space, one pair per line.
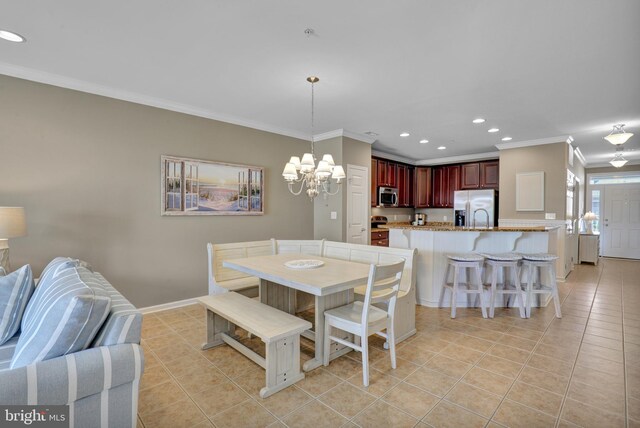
532, 266
467, 263
507, 263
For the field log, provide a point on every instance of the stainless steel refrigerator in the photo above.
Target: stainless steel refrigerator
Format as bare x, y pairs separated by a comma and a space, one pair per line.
481, 205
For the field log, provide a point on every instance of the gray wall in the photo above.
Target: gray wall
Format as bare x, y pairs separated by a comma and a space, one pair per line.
550, 158
87, 170
345, 151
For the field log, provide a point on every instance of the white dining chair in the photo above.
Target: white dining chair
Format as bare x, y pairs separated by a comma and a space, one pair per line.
363, 319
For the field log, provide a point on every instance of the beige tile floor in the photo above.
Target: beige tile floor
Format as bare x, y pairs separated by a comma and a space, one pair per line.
581, 370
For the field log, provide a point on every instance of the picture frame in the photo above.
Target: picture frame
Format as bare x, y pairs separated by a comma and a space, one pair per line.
530, 191
198, 187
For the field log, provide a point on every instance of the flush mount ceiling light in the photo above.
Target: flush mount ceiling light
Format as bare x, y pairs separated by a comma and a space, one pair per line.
492, 130
618, 135
441, 148
405, 134
424, 141
478, 120
507, 139
11, 36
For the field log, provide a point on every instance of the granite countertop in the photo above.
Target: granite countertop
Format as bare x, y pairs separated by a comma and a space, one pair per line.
449, 227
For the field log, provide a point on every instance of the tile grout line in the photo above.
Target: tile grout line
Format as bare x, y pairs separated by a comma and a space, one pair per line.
575, 362
624, 358
538, 342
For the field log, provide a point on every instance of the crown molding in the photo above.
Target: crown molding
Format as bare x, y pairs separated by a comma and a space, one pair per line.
389, 156
457, 159
344, 133
580, 156
107, 91
538, 142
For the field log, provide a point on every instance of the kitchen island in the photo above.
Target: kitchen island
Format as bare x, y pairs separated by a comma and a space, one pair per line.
434, 242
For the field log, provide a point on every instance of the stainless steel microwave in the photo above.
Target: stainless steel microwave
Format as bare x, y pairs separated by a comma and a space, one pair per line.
388, 197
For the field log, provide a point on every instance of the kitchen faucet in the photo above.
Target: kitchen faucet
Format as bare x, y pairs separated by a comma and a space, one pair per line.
474, 216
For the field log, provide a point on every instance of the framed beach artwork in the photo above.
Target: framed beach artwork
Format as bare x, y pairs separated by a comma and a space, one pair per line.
202, 187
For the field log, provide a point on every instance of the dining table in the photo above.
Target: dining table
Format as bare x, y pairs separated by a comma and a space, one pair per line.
330, 281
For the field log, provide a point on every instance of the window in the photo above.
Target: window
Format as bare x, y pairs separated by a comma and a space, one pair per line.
615, 179
595, 208
173, 174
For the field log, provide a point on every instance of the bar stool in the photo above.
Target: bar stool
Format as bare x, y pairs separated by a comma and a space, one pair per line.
532, 266
463, 263
507, 263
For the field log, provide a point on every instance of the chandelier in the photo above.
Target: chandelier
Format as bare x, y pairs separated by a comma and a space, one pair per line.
314, 179
618, 135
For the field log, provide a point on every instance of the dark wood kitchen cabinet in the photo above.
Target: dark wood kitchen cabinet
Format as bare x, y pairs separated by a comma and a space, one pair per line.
480, 175
387, 172
422, 187
446, 180
490, 175
405, 185
374, 182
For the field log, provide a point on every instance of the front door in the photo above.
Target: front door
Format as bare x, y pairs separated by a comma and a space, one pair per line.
357, 204
621, 225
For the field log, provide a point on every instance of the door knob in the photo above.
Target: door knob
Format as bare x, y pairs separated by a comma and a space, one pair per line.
363, 229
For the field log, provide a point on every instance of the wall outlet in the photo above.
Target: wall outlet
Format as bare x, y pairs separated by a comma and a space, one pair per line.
334, 215
549, 216
444, 218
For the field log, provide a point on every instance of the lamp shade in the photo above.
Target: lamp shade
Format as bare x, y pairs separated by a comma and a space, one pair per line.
589, 216
12, 222
324, 169
296, 161
290, 172
338, 172
328, 159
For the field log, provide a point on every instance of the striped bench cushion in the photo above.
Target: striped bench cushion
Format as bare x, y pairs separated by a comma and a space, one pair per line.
63, 316
6, 352
15, 290
124, 324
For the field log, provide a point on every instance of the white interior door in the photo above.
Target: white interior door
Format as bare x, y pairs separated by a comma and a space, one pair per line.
357, 204
621, 225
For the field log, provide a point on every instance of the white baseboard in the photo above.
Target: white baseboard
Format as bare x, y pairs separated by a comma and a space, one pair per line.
170, 305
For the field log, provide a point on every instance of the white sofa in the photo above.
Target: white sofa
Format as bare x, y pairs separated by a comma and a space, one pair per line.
222, 279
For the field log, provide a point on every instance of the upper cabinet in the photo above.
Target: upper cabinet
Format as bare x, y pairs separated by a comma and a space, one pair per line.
405, 185
480, 175
374, 182
446, 180
422, 197
387, 173
431, 187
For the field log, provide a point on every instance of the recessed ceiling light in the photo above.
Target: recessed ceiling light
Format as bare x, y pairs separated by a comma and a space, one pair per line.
507, 139
441, 148
493, 130
405, 134
11, 36
424, 141
478, 120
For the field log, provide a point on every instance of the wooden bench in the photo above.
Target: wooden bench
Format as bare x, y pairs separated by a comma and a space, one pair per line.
279, 331
222, 279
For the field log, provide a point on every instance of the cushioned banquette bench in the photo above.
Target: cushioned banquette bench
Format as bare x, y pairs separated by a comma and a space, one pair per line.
222, 280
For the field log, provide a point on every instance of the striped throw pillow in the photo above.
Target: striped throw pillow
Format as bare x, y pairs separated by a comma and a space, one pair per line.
63, 316
15, 290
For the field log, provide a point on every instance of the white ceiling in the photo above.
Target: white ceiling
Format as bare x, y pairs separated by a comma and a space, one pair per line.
534, 69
